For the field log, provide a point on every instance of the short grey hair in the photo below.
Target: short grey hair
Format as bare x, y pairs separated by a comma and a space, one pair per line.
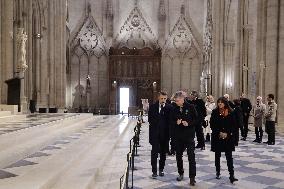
179, 94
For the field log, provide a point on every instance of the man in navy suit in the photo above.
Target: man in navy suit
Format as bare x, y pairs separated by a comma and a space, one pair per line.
159, 123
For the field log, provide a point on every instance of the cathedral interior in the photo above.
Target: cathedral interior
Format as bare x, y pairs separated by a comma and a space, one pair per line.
79, 56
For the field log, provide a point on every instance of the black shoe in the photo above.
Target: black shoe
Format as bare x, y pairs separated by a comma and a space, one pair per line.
161, 173
244, 139
154, 175
266, 142
271, 143
256, 140
192, 181
218, 176
233, 179
180, 178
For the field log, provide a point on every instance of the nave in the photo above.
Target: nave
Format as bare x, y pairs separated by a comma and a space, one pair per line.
77, 151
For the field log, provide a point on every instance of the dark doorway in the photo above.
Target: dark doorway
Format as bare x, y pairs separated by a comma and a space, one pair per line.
136, 69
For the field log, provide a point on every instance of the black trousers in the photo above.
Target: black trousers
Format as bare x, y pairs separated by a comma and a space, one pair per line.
180, 148
200, 135
245, 129
258, 133
161, 148
270, 129
229, 158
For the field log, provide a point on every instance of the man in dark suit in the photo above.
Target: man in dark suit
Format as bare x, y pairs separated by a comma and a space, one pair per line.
246, 108
201, 110
159, 123
184, 119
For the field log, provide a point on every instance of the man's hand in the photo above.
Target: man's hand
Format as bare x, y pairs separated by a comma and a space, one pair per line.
185, 123
179, 121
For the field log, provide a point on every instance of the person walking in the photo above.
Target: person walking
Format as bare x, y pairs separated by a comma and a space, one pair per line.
246, 108
201, 110
210, 106
223, 125
159, 122
270, 117
184, 120
258, 115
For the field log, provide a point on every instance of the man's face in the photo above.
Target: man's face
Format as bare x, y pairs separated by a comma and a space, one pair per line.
269, 99
227, 97
208, 99
163, 99
191, 97
179, 101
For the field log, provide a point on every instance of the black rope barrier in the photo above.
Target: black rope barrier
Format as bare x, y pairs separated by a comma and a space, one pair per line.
133, 151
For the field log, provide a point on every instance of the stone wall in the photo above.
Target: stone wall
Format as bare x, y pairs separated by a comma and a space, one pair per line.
44, 22
177, 26
249, 48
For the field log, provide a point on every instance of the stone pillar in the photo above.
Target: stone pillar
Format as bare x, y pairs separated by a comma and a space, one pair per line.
228, 64
6, 45
162, 22
217, 43
280, 94
43, 56
271, 47
1, 73
22, 66
109, 17
261, 79
56, 33
206, 81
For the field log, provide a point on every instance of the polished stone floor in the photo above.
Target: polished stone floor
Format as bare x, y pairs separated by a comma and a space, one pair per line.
31, 120
257, 166
69, 151
80, 151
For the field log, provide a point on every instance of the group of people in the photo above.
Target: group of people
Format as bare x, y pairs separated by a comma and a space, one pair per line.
183, 116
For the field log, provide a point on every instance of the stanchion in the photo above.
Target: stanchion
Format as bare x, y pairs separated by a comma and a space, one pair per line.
133, 151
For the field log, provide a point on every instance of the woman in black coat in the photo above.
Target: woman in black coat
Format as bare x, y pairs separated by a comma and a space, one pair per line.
223, 125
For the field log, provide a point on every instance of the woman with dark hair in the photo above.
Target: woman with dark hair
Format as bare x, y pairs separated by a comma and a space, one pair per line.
223, 125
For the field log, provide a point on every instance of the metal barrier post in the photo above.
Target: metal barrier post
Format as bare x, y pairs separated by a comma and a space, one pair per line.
133, 151
132, 158
127, 173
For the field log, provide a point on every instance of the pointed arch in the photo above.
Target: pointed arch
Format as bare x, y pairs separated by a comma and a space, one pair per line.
136, 32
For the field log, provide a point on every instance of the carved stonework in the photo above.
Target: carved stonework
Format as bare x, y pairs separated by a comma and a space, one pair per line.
162, 11
206, 77
90, 37
136, 32
207, 44
181, 39
109, 10
21, 42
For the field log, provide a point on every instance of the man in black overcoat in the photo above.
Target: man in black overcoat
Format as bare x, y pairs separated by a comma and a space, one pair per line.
184, 119
159, 125
246, 108
201, 110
